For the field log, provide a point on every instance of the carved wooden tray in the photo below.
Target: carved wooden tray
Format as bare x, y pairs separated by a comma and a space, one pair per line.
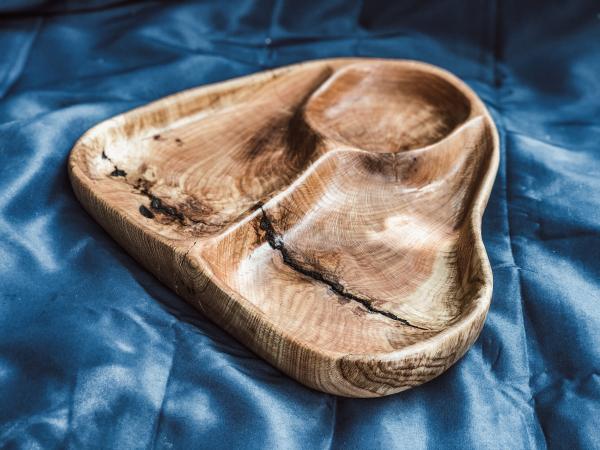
327, 214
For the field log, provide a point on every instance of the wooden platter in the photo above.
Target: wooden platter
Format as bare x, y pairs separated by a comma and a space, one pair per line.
326, 214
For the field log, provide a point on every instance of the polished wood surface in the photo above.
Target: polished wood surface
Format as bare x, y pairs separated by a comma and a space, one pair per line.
327, 214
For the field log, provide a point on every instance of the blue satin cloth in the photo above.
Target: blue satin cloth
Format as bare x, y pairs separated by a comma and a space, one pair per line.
96, 353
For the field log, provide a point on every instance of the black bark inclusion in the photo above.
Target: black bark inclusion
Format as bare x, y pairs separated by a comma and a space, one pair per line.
117, 172
157, 205
275, 241
146, 212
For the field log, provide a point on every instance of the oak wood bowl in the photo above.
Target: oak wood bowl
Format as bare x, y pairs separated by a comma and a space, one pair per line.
326, 214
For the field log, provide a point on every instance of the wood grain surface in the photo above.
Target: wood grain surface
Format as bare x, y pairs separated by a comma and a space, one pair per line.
326, 214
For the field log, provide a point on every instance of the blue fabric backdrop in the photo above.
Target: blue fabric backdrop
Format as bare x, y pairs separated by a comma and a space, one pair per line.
96, 353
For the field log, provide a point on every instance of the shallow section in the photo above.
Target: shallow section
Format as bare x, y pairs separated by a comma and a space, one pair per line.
386, 108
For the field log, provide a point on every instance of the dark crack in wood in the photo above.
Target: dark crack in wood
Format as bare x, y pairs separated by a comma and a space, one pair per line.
275, 241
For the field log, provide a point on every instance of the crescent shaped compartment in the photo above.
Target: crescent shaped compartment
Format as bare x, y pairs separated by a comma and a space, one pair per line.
326, 214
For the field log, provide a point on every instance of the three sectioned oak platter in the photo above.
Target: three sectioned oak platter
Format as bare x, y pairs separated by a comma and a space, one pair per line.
326, 214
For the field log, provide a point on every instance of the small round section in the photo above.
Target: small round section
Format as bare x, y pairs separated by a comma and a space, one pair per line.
386, 108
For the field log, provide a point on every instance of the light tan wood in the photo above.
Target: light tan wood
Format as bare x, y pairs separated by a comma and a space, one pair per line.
326, 214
